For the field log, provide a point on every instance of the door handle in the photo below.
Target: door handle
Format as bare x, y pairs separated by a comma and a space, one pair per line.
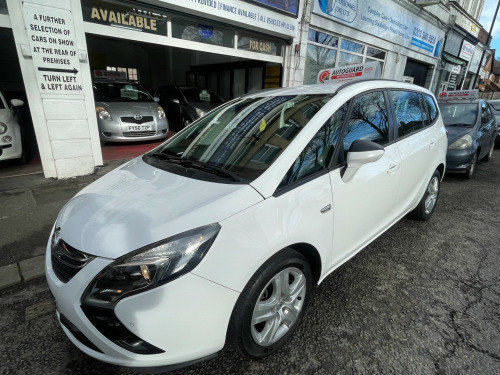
393, 168
432, 144
326, 209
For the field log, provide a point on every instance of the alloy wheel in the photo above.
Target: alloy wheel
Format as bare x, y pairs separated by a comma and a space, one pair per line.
432, 194
278, 306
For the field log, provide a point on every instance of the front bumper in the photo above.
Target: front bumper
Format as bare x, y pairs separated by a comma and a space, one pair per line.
186, 318
459, 160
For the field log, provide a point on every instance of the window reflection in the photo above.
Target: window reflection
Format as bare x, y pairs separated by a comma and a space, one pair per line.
408, 112
246, 136
368, 120
318, 152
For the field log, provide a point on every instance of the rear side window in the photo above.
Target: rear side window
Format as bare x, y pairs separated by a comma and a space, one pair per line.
431, 107
409, 117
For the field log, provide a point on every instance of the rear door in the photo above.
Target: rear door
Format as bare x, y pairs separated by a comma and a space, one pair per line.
414, 115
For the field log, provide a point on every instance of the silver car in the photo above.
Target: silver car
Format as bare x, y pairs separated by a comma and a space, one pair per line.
126, 112
10, 132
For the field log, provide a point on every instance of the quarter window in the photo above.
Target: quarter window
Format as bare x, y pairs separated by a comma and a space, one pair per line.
431, 107
368, 120
408, 112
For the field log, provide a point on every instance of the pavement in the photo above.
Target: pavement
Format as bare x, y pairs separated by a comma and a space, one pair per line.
28, 203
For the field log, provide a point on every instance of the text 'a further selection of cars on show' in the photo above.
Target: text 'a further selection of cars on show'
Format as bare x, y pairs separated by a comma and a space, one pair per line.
218, 235
126, 112
471, 128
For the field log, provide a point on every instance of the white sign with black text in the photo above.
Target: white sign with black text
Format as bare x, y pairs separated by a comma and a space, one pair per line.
53, 48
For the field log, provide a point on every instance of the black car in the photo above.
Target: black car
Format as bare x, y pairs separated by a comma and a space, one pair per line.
495, 108
471, 133
186, 104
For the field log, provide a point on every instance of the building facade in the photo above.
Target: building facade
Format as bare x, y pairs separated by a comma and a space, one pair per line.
229, 46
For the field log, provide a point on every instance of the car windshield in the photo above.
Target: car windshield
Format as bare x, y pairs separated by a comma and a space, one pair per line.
459, 114
243, 137
120, 92
196, 95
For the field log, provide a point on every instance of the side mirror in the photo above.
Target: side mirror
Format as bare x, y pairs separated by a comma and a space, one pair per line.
176, 101
361, 152
16, 102
156, 99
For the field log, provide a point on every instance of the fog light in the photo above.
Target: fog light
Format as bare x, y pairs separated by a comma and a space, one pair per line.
7, 139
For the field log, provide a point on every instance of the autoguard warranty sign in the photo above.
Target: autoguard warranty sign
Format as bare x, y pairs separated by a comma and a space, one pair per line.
349, 73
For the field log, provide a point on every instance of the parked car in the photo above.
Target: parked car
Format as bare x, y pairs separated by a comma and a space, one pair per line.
186, 104
471, 129
218, 235
126, 112
495, 108
11, 144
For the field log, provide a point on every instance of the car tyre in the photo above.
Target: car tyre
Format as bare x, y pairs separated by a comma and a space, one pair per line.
472, 167
272, 305
489, 155
427, 204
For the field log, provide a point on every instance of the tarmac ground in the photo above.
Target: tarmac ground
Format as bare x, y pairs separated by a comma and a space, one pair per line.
424, 298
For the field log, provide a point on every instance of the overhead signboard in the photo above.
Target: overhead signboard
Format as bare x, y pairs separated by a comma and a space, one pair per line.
348, 73
467, 50
53, 49
387, 20
462, 94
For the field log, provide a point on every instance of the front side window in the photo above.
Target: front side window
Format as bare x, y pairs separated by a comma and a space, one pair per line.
242, 138
408, 112
368, 120
318, 152
485, 114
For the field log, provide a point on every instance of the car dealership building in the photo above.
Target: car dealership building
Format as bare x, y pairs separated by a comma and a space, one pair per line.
231, 47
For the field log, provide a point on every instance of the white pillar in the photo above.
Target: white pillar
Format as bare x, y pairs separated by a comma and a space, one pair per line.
52, 51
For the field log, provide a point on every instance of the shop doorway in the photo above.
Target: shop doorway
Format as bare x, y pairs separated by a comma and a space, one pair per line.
418, 71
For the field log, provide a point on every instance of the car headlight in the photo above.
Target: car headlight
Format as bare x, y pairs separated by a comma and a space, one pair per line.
150, 267
461, 143
103, 114
3, 128
161, 112
199, 112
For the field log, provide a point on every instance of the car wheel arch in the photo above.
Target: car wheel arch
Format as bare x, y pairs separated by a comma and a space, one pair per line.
441, 170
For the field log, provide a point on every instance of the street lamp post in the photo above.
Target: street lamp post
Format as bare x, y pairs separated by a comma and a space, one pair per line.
487, 40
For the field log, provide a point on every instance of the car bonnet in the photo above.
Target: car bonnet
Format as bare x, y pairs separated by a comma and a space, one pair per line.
137, 205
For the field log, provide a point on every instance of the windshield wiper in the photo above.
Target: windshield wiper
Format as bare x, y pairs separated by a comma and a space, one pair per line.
195, 164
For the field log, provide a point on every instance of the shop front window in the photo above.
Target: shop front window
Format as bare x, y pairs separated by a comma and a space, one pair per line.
325, 51
317, 58
349, 59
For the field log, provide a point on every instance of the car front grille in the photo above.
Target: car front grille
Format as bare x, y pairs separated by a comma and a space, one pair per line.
134, 121
139, 134
67, 261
